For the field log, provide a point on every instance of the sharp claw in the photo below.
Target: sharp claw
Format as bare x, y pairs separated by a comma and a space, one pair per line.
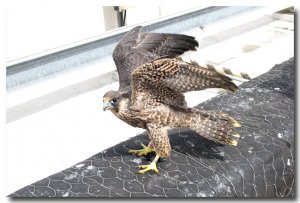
142, 171
234, 143
147, 168
236, 135
236, 125
132, 151
141, 152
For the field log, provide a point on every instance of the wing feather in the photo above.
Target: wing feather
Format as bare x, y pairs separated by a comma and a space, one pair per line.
146, 92
137, 48
184, 77
165, 80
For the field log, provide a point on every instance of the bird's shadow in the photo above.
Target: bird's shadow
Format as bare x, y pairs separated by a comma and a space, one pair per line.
184, 142
188, 143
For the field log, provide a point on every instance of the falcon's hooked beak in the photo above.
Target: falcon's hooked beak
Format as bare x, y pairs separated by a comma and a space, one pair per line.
107, 105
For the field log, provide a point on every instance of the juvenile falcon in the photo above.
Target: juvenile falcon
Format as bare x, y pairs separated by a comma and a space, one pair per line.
152, 82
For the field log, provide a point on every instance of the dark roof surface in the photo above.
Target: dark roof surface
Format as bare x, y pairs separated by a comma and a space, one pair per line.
262, 165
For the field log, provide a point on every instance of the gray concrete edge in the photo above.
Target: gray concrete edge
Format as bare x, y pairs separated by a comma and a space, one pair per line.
52, 64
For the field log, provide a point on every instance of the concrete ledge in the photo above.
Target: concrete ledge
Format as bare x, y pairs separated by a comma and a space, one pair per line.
70, 57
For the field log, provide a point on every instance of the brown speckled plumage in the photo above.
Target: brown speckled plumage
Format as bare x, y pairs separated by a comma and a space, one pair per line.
152, 82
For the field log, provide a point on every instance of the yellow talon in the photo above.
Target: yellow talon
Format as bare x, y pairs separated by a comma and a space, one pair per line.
236, 125
234, 143
149, 167
141, 152
236, 135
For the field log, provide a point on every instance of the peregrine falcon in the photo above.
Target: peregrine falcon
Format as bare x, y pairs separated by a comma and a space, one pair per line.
153, 80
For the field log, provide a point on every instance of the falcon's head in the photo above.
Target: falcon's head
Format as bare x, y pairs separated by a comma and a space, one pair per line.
110, 100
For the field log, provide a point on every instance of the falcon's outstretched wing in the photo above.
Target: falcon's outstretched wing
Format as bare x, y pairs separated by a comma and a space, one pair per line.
137, 48
165, 80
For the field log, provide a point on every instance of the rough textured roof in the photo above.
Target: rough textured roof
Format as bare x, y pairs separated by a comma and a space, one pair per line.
262, 165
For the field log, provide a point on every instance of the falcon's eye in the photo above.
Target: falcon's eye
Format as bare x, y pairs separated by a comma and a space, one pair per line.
113, 100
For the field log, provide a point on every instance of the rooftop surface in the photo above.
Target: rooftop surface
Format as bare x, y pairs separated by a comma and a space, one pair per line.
262, 165
49, 131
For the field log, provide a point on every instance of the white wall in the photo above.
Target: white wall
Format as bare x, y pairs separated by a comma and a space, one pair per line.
141, 13
34, 26
144, 13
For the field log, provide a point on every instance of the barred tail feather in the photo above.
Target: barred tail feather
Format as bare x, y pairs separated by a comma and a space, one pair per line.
224, 70
228, 71
217, 127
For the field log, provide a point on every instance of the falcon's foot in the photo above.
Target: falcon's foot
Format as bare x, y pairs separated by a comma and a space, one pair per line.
152, 166
141, 152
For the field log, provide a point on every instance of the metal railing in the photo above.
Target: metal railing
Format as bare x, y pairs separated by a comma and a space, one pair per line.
52, 62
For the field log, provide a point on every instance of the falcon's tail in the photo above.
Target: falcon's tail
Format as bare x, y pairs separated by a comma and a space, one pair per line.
223, 70
214, 126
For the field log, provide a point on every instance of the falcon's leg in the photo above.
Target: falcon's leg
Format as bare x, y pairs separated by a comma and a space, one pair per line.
159, 139
151, 166
160, 144
141, 152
